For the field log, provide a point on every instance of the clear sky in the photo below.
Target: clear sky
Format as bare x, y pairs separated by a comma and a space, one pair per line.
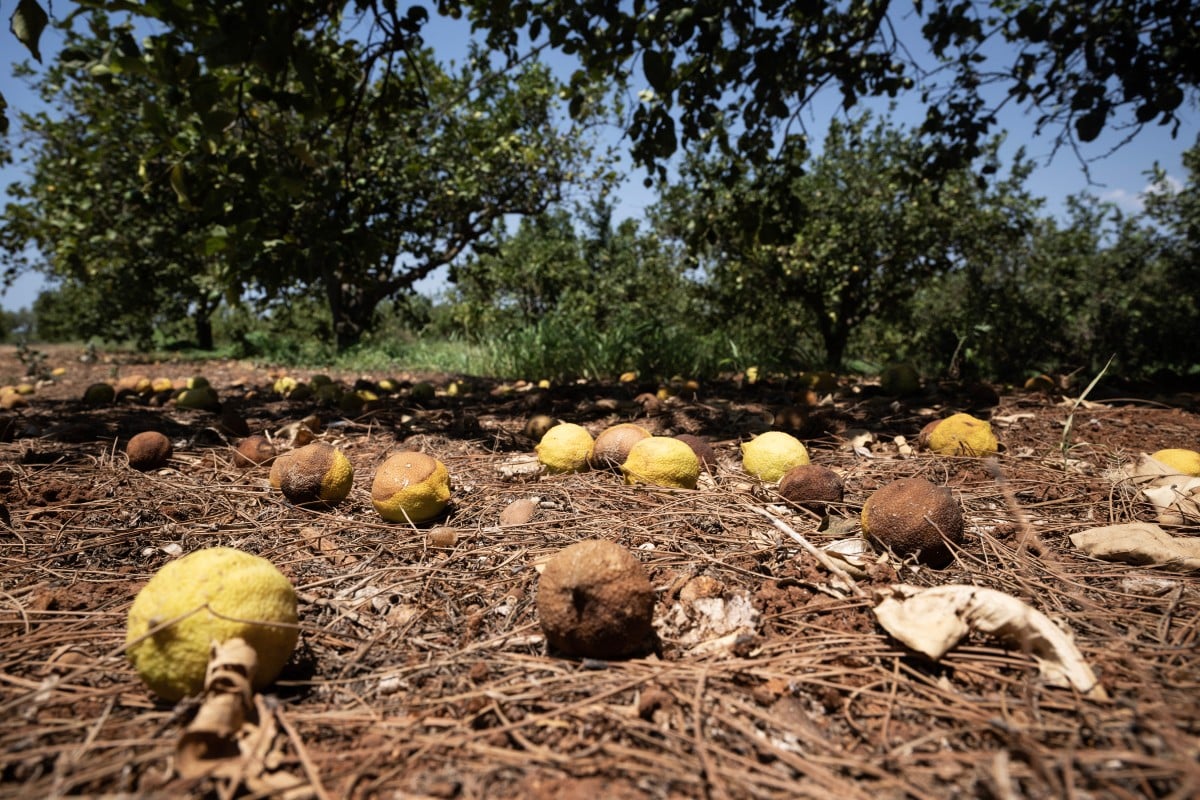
1117, 174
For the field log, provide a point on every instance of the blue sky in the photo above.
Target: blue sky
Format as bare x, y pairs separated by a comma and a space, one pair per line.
1117, 174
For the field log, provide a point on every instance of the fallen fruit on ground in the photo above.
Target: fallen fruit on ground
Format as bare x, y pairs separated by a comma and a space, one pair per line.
812, 486
566, 447
203, 398
254, 450
316, 474
537, 425
594, 600
662, 461
612, 446
900, 379
410, 487
960, 435
277, 468
99, 394
770, 455
148, 450
702, 448
211, 595
1187, 462
913, 517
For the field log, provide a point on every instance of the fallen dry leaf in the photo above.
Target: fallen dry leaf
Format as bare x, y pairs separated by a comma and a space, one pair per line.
934, 620
1139, 543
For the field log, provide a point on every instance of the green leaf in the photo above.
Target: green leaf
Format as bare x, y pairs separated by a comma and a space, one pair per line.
27, 24
178, 185
657, 66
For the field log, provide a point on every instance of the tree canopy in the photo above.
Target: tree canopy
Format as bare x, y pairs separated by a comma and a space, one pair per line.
737, 74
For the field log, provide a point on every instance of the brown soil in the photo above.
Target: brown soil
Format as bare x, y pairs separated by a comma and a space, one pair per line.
422, 671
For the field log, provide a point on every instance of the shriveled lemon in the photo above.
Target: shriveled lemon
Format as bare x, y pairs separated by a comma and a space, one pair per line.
612, 446
770, 455
209, 596
316, 474
1186, 462
662, 461
410, 487
566, 447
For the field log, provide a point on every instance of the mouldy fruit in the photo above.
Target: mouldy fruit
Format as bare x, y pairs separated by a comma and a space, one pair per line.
99, 394
566, 447
253, 451
770, 455
148, 450
812, 486
410, 487
277, 468
900, 380
612, 446
316, 474
594, 600
662, 461
913, 517
208, 596
961, 435
702, 448
1040, 383
1186, 462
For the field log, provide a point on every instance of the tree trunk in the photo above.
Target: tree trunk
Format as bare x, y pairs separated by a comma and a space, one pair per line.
351, 309
202, 320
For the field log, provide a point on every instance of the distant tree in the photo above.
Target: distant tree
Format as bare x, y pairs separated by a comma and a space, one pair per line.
824, 245
188, 195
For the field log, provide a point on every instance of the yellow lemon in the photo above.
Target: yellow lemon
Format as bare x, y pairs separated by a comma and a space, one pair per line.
209, 596
566, 447
769, 456
662, 461
410, 487
1187, 462
962, 435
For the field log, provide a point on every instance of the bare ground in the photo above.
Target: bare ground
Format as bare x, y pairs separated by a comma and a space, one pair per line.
422, 672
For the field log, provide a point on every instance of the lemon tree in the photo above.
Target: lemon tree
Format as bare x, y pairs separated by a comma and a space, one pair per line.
209, 596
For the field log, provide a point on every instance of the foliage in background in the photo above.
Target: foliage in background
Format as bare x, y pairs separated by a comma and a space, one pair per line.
806, 251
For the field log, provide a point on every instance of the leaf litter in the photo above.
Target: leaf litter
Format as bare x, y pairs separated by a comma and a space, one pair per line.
422, 671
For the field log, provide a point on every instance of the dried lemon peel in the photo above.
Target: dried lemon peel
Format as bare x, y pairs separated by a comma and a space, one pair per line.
1175, 495
1139, 543
933, 620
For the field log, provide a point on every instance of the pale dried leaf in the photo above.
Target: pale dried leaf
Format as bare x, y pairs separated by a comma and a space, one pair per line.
1139, 543
518, 512
934, 620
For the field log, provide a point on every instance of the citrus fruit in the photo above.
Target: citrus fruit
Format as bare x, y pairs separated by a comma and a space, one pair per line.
1187, 462
811, 486
662, 461
595, 600
148, 450
208, 596
410, 487
961, 435
913, 517
316, 474
566, 447
254, 450
612, 446
770, 455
